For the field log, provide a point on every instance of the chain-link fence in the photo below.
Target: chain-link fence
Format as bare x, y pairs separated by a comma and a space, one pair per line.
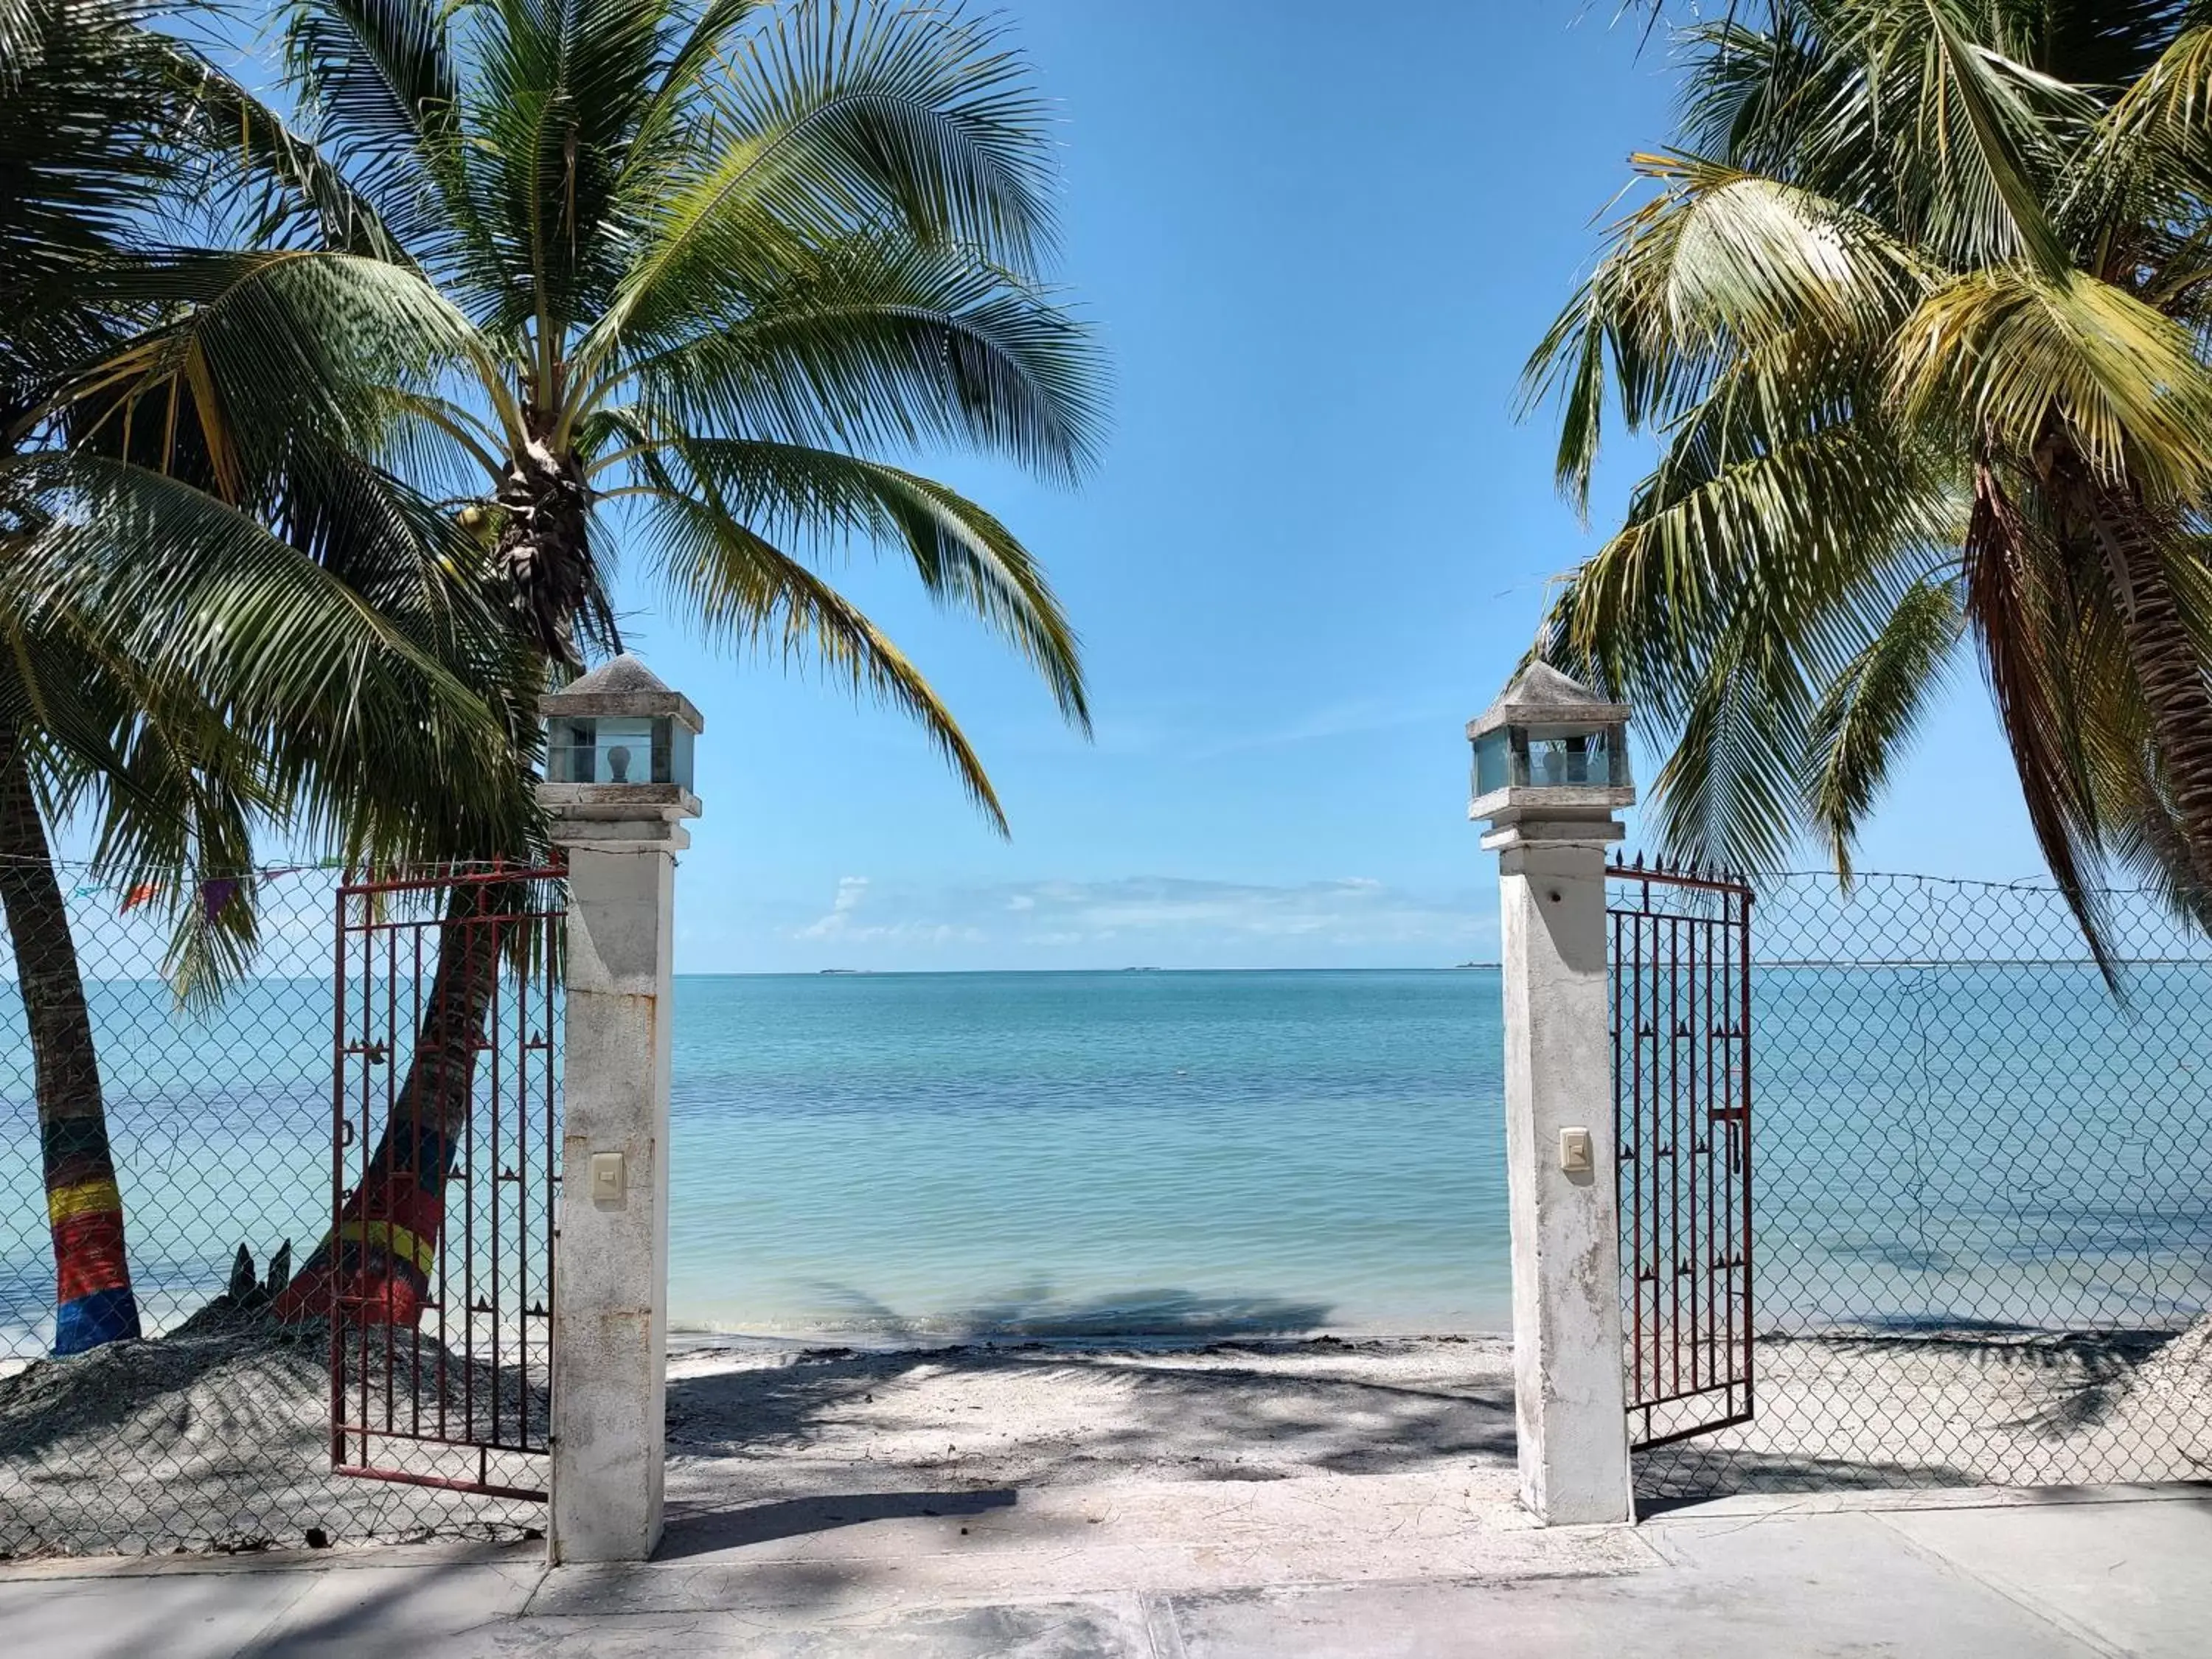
1982, 1205
214, 1431
1982, 1195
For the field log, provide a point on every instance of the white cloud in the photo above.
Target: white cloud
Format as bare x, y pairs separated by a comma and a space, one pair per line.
851, 891
1150, 920
841, 923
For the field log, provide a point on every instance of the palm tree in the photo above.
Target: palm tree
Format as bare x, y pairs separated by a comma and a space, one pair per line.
686, 277
1918, 310
259, 680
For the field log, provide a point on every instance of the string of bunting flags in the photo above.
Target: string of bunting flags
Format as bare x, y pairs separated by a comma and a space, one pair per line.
215, 893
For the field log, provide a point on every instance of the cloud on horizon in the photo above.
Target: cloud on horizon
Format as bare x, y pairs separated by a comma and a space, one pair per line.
1142, 921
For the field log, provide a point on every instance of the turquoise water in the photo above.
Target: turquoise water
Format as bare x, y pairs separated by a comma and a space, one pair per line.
1102, 1153
1988, 1143
1089, 1151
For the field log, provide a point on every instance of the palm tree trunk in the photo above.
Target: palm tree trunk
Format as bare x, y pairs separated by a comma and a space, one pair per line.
378, 1259
92, 1300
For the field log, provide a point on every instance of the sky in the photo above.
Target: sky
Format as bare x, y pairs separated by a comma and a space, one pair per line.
1317, 243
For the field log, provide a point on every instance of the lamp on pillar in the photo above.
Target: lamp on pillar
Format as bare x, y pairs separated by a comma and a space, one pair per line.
1553, 753
1551, 767
618, 750
618, 789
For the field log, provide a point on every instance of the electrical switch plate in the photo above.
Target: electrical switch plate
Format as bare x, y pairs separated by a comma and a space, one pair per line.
606, 1176
1575, 1155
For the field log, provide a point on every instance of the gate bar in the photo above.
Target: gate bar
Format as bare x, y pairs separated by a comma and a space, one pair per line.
1685, 1191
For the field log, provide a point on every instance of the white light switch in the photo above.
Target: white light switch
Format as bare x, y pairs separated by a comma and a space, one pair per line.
606, 1176
1575, 1155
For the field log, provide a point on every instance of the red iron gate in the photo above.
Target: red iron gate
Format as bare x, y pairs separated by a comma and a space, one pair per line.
446, 1105
1681, 959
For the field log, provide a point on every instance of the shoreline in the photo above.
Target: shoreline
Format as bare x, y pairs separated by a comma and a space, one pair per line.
685, 1341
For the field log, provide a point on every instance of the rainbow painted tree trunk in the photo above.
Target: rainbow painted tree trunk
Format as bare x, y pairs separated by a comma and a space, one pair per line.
92, 1300
378, 1259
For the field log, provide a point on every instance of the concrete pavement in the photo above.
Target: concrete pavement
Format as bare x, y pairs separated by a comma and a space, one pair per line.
1356, 1566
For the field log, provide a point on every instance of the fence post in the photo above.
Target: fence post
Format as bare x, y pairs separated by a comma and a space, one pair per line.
618, 788
1551, 766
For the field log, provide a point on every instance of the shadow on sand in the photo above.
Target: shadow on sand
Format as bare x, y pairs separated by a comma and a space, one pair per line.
1045, 1392
702, 1531
1150, 1313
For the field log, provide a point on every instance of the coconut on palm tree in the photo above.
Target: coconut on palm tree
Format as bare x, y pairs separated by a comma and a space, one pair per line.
689, 281
1916, 310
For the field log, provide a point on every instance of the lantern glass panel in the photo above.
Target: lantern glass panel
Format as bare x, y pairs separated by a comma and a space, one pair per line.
672, 753
1492, 763
622, 749
1567, 758
568, 756
618, 750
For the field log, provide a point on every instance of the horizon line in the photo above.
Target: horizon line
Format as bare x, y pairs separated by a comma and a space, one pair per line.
918, 972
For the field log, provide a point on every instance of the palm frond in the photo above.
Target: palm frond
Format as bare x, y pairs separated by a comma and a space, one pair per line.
263, 344
1721, 264
140, 568
877, 343
741, 590
383, 76
1864, 720
965, 557
833, 120
2009, 353
558, 94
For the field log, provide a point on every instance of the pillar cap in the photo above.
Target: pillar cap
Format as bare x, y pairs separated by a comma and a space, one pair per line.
622, 686
1540, 693
1549, 749
616, 815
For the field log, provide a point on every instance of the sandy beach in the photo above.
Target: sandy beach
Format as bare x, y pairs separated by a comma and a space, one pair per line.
821, 1421
221, 1441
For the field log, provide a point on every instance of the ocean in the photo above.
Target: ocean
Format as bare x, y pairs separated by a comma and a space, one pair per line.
1084, 1153
919, 1156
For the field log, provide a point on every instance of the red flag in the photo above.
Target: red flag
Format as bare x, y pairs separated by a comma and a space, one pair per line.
138, 895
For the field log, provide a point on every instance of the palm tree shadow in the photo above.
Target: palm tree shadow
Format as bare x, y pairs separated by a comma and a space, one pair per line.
1032, 1309
1044, 1392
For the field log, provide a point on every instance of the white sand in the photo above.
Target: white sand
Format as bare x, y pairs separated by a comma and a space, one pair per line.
222, 1440
219, 1440
747, 1425
1850, 1410
1955, 1408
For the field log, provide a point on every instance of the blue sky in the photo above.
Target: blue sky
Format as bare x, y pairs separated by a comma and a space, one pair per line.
1318, 244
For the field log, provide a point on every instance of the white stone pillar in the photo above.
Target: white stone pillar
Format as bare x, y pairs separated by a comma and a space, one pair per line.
1551, 767
610, 1261
1568, 1357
